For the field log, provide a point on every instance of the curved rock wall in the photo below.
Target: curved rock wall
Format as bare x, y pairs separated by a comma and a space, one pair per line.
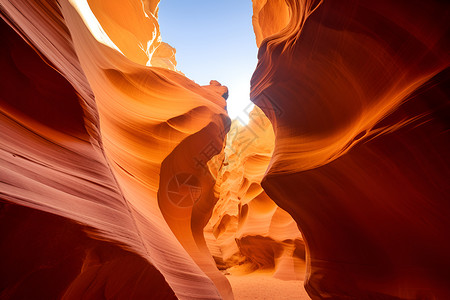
357, 92
108, 176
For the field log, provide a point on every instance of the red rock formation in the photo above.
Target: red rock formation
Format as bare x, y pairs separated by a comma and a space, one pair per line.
107, 177
65, 263
357, 92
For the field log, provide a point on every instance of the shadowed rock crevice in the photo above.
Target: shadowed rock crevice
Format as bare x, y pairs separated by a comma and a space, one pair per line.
49, 257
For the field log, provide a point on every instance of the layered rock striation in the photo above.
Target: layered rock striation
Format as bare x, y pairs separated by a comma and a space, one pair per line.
95, 131
357, 92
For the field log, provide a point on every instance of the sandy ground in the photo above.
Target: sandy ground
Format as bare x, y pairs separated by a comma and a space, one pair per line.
257, 286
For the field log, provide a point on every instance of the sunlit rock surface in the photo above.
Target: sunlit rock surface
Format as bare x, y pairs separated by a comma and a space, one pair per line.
357, 92
91, 133
247, 231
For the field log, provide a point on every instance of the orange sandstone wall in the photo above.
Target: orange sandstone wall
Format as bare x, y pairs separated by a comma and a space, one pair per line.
357, 92
96, 124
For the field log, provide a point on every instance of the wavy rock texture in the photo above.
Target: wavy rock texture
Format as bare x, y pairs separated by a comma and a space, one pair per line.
357, 92
247, 231
93, 133
114, 166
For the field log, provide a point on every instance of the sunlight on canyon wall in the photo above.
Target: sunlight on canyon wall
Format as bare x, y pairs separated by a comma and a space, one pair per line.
247, 232
357, 92
108, 177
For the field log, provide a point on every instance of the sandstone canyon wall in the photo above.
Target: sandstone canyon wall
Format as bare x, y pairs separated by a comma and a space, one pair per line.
92, 133
357, 92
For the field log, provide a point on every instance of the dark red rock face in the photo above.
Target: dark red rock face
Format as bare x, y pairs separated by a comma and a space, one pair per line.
44, 256
359, 98
34, 89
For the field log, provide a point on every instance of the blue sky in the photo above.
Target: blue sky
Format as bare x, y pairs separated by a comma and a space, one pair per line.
214, 40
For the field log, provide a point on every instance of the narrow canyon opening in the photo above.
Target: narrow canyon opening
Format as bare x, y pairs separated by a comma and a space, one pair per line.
214, 41
253, 241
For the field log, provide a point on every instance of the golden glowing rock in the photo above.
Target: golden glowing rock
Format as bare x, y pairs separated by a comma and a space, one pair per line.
269, 17
246, 227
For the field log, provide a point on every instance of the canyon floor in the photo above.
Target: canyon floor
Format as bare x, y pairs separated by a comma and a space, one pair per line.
260, 286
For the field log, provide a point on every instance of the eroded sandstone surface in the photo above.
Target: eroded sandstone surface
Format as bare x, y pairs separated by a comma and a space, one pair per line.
120, 178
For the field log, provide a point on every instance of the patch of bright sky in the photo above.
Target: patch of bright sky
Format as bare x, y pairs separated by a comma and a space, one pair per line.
214, 41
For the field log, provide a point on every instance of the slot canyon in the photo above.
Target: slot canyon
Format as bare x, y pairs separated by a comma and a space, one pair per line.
123, 178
